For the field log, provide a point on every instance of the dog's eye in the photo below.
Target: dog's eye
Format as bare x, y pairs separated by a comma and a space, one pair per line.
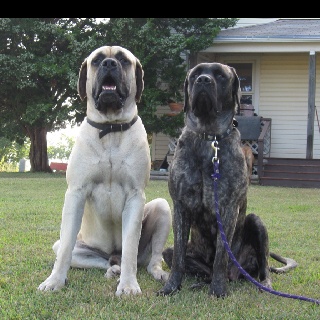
193, 76
96, 61
123, 60
219, 76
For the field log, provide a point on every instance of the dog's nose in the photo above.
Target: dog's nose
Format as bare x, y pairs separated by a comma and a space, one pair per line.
109, 63
203, 79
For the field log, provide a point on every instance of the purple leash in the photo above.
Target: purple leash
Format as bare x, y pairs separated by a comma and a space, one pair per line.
215, 176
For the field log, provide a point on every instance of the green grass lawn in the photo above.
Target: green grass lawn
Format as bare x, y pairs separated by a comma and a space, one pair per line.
30, 216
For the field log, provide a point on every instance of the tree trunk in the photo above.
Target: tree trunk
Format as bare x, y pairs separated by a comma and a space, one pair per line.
38, 150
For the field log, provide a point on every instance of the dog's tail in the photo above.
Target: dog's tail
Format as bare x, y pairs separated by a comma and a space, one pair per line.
288, 262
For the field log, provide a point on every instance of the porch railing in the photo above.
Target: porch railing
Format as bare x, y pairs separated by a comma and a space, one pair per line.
256, 133
259, 142
264, 143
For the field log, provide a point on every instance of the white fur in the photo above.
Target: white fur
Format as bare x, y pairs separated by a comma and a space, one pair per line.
104, 203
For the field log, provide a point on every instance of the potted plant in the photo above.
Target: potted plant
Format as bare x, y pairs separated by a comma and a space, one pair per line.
175, 107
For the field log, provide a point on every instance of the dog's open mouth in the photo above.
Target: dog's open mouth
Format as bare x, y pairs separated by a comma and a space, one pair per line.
108, 85
109, 96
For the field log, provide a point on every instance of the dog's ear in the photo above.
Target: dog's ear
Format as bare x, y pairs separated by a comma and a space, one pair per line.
236, 90
186, 95
82, 80
139, 80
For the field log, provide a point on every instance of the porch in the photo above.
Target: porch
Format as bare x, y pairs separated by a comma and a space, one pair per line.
255, 132
269, 171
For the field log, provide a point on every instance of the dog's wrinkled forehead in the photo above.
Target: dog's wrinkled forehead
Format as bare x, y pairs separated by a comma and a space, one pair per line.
211, 69
114, 52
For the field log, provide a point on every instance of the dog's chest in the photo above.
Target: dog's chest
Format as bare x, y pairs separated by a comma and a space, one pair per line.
110, 170
121, 155
113, 174
191, 175
121, 169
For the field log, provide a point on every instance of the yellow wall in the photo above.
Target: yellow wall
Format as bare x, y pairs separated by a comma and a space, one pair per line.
282, 83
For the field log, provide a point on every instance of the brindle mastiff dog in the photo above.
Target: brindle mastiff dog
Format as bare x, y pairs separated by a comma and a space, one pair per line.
104, 217
211, 98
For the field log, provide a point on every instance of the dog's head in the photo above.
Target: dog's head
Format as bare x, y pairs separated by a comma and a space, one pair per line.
111, 78
211, 89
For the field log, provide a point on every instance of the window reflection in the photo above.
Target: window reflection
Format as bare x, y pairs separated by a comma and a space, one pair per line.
244, 72
246, 99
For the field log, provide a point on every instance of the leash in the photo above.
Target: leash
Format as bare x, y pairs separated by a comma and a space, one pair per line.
216, 176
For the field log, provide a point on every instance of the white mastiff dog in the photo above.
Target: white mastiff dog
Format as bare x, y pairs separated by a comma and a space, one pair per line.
105, 220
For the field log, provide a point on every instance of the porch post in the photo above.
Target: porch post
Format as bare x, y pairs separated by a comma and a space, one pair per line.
311, 104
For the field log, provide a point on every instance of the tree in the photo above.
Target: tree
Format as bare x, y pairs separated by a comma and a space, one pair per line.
39, 63
40, 59
11, 152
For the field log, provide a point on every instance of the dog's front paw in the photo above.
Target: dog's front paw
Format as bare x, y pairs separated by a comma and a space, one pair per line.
169, 288
53, 283
218, 289
267, 283
158, 273
172, 285
113, 271
128, 287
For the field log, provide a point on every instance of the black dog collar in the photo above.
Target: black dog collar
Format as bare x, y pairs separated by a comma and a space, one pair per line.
212, 137
111, 127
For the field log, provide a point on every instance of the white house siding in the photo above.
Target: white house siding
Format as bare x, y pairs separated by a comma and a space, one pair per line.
159, 148
160, 141
284, 82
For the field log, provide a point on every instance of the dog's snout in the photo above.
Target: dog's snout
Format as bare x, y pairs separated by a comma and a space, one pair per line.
203, 79
109, 63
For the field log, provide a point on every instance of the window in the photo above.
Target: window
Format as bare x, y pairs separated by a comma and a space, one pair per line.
244, 72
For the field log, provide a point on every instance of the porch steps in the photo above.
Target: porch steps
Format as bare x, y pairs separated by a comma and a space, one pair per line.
288, 172
158, 175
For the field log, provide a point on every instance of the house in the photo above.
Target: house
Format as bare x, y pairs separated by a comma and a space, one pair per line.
276, 62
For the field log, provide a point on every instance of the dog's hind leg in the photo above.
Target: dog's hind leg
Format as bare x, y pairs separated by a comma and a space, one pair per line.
181, 233
154, 234
260, 242
195, 266
254, 251
84, 256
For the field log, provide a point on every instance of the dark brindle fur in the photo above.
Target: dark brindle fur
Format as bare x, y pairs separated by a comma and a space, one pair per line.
211, 99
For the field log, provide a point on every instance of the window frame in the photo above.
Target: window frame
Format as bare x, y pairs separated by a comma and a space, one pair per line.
255, 62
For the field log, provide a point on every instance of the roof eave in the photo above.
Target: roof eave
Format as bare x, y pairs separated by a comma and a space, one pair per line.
264, 39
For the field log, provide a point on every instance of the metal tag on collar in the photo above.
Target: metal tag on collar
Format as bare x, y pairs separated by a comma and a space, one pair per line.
215, 148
